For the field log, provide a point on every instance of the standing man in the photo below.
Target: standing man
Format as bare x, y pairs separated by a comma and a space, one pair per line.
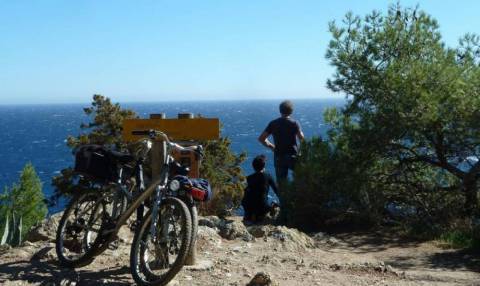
285, 132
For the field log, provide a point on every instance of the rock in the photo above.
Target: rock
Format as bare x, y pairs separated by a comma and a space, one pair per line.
208, 238
46, 253
390, 269
258, 231
291, 239
332, 241
335, 267
201, 265
210, 221
4, 248
380, 267
322, 239
319, 236
19, 254
266, 259
234, 229
46, 230
261, 279
28, 243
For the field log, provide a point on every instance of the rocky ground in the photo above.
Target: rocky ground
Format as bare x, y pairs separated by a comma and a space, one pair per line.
231, 254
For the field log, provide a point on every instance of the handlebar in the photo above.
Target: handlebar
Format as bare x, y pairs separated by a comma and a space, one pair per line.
153, 134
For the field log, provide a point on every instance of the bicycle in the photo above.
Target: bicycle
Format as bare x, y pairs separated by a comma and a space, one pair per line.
163, 238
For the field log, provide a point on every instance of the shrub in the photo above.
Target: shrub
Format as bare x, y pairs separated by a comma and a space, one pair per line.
222, 168
24, 202
327, 189
463, 233
411, 100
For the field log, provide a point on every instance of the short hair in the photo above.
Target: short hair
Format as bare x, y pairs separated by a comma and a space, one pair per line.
286, 107
258, 163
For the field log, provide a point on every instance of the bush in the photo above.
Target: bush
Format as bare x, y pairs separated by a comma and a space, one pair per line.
461, 234
24, 201
411, 100
327, 189
341, 187
105, 128
398, 150
222, 168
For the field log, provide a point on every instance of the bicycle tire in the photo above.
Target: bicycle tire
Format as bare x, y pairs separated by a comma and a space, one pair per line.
194, 214
88, 256
100, 244
142, 233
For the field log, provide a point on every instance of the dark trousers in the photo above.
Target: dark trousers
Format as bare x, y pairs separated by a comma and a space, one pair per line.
254, 207
283, 163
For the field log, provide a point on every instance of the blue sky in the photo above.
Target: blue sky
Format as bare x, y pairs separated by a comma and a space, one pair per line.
65, 51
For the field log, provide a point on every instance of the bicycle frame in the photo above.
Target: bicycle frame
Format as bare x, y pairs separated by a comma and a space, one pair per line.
157, 184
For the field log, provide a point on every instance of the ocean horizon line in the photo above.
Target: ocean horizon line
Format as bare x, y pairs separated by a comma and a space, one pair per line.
336, 98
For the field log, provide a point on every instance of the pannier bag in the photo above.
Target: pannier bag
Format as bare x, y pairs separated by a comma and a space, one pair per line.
95, 161
199, 188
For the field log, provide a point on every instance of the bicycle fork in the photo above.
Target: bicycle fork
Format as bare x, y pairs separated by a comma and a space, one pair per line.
159, 220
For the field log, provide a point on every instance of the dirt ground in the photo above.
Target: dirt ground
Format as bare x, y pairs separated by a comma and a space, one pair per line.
346, 259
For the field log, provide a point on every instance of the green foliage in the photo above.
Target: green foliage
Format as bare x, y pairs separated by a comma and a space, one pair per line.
221, 166
6, 230
12, 233
22, 206
396, 151
106, 125
105, 128
412, 110
464, 235
327, 189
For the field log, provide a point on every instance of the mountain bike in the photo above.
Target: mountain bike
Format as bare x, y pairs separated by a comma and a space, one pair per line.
163, 238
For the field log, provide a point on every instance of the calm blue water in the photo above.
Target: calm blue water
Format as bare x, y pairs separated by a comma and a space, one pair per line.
36, 133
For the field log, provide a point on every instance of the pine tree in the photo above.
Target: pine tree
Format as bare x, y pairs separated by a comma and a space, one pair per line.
24, 200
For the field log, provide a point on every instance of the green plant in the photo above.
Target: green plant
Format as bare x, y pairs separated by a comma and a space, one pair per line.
460, 239
105, 128
223, 170
328, 189
22, 206
412, 108
12, 231
412, 100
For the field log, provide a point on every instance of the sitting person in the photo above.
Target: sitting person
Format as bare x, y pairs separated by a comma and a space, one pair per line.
255, 197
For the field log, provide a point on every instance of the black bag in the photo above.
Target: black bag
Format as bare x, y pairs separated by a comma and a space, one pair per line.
95, 161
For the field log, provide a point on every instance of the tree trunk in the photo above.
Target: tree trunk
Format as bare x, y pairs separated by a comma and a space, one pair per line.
471, 197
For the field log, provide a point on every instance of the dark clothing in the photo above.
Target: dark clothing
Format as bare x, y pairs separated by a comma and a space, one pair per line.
255, 198
284, 131
282, 164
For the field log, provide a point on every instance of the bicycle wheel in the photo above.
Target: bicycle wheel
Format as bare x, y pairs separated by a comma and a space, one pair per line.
155, 260
191, 252
114, 205
78, 229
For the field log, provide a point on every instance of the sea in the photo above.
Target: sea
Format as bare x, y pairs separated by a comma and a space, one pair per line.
37, 133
